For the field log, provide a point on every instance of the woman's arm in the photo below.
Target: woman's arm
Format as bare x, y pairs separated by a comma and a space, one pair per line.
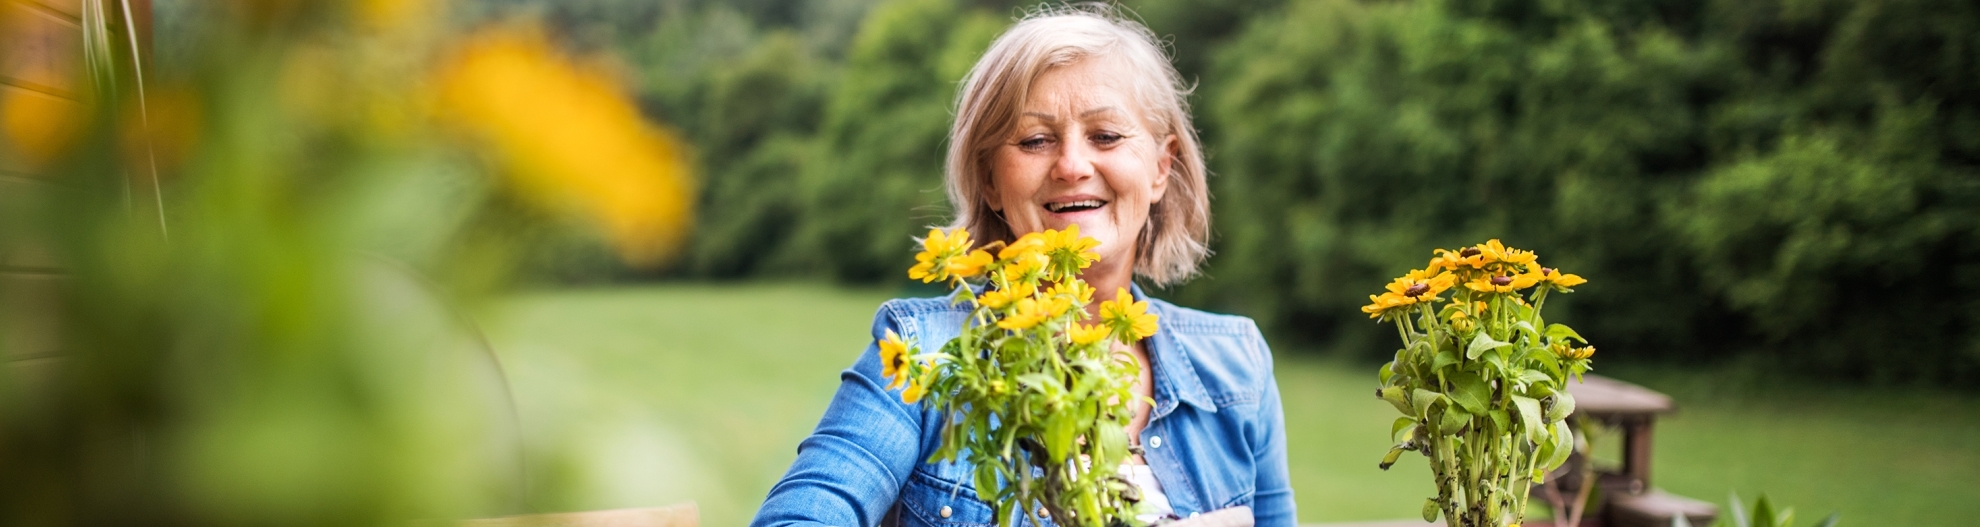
850, 469
1272, 501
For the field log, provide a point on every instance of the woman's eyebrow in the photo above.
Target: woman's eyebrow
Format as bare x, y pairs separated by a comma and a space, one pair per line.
1101, 109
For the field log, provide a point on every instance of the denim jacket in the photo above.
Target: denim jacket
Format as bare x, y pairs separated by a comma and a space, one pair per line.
1215, 439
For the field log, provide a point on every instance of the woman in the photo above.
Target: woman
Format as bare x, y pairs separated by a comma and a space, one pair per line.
1072, 117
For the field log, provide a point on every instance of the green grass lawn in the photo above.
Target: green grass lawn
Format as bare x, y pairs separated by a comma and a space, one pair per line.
656, 395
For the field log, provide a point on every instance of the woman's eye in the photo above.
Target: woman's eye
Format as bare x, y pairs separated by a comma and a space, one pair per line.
1035, 143
1107, 138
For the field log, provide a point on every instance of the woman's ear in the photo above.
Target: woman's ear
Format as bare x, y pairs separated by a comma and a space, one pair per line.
990, 197
1171, 149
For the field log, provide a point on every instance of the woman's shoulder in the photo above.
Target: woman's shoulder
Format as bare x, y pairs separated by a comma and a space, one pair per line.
1191, 320
928, 319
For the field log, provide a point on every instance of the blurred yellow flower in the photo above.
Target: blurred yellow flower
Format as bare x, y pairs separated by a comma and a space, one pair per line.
913, 393
571, 140
1029, 312
893, 359
970, 265
1069, 249
1129, 319
1027, 244
1082, 334
998, 298
40, 127
1075, 291
1028, 267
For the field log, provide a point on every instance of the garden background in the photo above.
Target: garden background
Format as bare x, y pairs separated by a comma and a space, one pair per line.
1776, 202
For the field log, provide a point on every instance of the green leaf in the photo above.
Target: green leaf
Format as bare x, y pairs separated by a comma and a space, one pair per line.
1763, 512
1532, 335
986, 482
1040, 381
1481, 344
1470, 391
1563, 445
1394, 395
1454, 419
1443, 358
1113, 438
1398, 426
1556, 332
1059, 435
1430, 510
1529, 417
1389, 459
1678, 520
1387, 371
1740, 519
1535, 377
1422, 399
1830, 521
1562, 408
1500, 419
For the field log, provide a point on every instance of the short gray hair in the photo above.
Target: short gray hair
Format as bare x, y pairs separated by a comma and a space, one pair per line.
1175, 240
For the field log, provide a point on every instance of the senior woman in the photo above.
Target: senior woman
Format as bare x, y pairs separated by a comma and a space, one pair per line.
1073, 116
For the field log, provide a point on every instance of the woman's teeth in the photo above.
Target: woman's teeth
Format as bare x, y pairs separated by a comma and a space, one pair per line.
1074, 206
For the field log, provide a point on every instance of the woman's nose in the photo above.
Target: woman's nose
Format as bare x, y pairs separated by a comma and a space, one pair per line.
1075, 162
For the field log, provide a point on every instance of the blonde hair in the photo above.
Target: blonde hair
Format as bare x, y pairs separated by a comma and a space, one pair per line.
1175, 240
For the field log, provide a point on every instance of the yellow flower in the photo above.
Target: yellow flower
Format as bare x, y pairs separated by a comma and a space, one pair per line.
1555, 278
1422, 286
1466, 258
913, 393
1461, 322
1070, 250
893, 359
1379, 306
1573, 353
1027, 244
1026, 267
571, 140
1501, 283
1493, 251
1129, 319
998, 298
1082, 334
970, 265
936, 251
1074, 290
1028, 312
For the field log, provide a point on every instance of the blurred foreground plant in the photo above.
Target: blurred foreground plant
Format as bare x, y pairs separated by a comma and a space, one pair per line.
1763, 515
1026, 386
1481, 379
262, 267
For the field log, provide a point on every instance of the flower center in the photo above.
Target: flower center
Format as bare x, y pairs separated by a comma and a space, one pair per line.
1544, 271
1416, 290
1469, 252
1501, 280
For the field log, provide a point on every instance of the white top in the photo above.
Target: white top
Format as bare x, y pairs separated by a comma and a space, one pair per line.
1154, 504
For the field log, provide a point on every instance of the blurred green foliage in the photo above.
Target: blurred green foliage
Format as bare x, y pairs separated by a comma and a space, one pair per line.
1782, 182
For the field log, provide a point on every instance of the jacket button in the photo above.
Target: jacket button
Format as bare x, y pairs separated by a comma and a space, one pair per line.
1042, 513
1155, 442
946, 511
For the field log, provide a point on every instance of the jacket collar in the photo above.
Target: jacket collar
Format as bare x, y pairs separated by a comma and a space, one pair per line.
1175, 375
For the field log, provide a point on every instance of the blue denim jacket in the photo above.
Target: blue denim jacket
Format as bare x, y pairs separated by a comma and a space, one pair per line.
1216, 437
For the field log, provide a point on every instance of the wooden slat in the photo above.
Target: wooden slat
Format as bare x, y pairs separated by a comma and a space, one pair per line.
683, 515
43, 51
29, 323
72, 8
1603, 397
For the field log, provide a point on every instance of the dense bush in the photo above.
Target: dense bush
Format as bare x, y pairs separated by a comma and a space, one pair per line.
1794, 182
1791, 177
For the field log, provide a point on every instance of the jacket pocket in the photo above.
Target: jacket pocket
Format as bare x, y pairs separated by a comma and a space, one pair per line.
926, 497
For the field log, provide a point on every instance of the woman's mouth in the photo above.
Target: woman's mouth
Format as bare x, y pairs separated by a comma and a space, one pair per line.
1074, 206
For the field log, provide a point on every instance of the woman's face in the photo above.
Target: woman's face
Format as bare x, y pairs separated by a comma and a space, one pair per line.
1082, 154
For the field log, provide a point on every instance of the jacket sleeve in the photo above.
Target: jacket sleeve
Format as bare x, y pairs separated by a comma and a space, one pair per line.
1272, 501
850, 470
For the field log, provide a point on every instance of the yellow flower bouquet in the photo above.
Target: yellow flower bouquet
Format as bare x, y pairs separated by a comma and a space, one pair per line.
1481, 379
1032, 392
